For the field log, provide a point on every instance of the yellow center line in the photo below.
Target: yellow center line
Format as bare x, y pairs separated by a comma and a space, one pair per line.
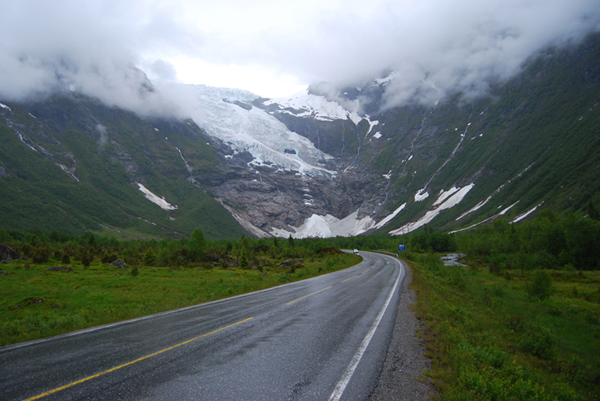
132, 362
306, 296
350, 278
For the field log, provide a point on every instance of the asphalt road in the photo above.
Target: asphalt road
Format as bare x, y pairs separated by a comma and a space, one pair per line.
319, 339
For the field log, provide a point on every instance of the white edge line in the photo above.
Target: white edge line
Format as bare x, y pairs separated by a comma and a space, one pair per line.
341, 386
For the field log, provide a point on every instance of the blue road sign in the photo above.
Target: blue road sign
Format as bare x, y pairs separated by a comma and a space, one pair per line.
401, 247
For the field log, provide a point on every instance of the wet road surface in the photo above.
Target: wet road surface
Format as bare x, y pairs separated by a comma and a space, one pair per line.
323, 338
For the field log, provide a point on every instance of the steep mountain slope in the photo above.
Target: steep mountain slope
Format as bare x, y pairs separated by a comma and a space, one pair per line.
324, 163
533, 141
70, 163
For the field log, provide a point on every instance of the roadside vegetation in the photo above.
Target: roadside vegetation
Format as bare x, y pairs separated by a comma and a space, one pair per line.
522, 320
69, 283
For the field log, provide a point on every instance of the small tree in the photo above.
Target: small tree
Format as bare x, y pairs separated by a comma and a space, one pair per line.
243, 260
197, 244
540, 287
149, 258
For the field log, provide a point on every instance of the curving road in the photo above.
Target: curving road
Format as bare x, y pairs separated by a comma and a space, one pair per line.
319, 339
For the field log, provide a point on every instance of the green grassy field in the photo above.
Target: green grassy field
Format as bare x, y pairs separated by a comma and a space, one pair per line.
491, 339
37, 303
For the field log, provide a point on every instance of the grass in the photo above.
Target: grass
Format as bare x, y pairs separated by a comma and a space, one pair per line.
488, 340
37, 303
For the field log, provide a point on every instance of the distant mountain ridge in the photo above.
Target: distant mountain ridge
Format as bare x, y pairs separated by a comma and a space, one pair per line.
329, 162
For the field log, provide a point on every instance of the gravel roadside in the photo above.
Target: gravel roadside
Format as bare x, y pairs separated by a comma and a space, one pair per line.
400, 377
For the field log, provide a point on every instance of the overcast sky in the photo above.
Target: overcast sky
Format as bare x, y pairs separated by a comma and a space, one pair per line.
276, 48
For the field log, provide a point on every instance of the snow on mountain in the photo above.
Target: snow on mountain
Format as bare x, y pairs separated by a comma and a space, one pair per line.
387, 219
156, 199
318, 108
229, 115
451, 201
329, 226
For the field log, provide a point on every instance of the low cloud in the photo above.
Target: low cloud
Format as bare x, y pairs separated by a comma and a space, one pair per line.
435, 47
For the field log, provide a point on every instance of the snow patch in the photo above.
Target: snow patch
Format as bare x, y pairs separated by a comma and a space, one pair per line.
377, 135
5, 107
156, 199
329, 226
371, 124
421, 195
388, 175
391, 216
452, 201
527, 213
486, 220
444, 195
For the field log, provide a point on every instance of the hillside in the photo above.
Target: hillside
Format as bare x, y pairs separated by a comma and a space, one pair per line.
69, 163
320, 164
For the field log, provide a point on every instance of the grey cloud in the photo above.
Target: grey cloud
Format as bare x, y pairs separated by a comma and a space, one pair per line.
87, 47
436, 47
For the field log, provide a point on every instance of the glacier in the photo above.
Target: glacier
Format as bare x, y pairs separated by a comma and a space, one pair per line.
229, 115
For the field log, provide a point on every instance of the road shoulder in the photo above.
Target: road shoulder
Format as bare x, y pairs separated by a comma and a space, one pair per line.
405, 362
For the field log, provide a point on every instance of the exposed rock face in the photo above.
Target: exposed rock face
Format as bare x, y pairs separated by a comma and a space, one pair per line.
265, 198
6, 253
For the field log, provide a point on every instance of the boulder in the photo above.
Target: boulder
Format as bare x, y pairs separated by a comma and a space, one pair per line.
6, 253
119, 264
59, 269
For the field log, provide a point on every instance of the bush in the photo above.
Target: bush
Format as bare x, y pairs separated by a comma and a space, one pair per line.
66, 259
135, 271
149, 258
538, 342
86, 260
540, 287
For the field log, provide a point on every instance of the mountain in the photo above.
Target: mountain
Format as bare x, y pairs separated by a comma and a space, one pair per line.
70, 163
332, 161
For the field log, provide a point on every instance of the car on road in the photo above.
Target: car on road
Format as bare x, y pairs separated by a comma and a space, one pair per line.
356, 252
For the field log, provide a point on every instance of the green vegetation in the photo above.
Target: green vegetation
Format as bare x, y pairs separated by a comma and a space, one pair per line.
511, 335
522, 320
44, 296
107, 161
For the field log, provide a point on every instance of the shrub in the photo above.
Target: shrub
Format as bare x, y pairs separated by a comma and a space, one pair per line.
149, 258
135, 271
538, 342
540, 287
516, 323
86, 260
66, 259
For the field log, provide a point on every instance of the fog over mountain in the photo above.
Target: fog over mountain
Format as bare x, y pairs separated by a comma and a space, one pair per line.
435, 47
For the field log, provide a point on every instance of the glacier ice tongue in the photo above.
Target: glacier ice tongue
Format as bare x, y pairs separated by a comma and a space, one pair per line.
219, 111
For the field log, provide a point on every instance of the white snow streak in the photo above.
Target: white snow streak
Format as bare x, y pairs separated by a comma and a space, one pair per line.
431, 214
527, 213
486, 220
421, 195
391, 216
5, 107
156, 199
